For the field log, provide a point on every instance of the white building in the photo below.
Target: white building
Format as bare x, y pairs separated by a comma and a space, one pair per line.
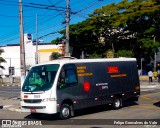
12, 54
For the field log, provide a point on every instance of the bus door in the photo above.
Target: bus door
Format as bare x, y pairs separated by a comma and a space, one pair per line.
67, 86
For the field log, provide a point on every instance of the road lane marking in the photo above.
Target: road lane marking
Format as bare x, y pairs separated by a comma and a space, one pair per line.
145, 98
8, 92
150, 99
151, 94
146, 106
149, 107
7, 106
156, 100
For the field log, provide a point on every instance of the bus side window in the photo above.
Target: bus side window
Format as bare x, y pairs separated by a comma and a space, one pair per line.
67, 77
61, 80
61, 76
71, 76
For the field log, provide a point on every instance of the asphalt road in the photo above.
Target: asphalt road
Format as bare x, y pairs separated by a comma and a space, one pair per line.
148, 107
10, 91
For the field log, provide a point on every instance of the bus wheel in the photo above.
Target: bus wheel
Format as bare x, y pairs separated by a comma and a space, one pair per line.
65, 112
117, 103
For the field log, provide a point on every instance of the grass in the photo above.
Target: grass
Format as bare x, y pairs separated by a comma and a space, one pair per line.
4, 83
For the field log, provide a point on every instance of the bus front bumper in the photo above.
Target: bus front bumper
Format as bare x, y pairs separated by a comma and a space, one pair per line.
47, 107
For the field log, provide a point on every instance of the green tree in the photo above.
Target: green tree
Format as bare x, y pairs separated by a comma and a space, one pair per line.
130, 26
124, 53
2, 60
55, 55
56, 41
127, 25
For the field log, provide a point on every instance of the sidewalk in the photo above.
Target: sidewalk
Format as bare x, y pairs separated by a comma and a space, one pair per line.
146, 84
14, 103
9, 84
10, 104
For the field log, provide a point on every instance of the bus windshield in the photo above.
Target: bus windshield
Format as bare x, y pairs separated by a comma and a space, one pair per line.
40, 78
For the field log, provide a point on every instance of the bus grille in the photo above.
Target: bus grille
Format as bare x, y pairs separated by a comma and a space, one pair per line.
34, 107
33, 100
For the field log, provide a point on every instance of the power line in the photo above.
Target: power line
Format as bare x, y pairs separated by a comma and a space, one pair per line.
13, 33
10, 1
48, 27
44, 5
58, 2
76, 13
54, 6
12, 37
50, 33
50, 2
7, 26
33, 5
13, 16
8, 16
79, 12
87, 7
17, 37
8, 4
9, 34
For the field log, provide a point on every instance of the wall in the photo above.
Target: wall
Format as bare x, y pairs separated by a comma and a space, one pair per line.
44, 54
12, 54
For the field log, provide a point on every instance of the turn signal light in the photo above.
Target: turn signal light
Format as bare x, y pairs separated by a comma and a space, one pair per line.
137, 88
25, 96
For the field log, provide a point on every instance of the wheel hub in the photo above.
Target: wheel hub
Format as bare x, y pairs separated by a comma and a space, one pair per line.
117, 103
65, 112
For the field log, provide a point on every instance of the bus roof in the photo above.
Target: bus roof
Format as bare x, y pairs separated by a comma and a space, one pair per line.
64, 61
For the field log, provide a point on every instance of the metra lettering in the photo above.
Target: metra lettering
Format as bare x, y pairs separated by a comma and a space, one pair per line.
100, 84
113, 69
119, 75
104, 87
79, 71
86, 74
82, 71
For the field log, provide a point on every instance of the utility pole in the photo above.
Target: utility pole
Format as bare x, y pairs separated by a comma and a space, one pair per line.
67, 27
155, 56
22, 48
36, 39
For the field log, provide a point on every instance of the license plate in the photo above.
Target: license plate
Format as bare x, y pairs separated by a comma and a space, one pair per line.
33, 111
36, 96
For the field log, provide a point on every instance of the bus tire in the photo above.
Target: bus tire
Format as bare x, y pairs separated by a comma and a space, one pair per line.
65, 111
117, 103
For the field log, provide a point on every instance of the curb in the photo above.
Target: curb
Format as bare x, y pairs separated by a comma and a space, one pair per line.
10, 85
150, 86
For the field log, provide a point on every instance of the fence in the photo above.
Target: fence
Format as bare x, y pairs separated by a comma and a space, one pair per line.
14, 80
